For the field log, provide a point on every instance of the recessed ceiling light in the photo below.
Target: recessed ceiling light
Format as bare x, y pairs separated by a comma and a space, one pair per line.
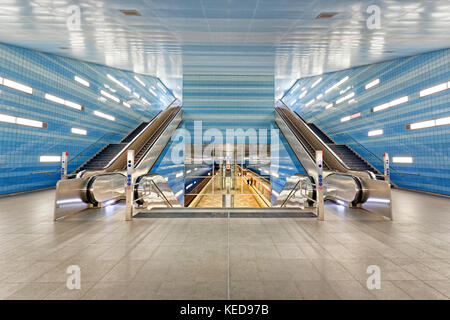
130, 12
326, 15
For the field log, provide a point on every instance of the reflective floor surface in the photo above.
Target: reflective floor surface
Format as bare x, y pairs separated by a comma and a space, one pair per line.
236, 258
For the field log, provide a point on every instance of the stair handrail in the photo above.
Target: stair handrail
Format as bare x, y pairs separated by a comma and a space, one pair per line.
81, 153
290, 194
362, 146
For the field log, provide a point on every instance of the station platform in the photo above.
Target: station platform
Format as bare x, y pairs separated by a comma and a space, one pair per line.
232, 258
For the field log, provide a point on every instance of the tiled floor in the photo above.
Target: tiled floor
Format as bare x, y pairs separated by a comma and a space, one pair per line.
217, 258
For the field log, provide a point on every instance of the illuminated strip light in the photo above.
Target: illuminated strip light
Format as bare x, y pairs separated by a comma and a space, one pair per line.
109, 87
275, 193
390, 104
179, 193
295, 87
428, 123
103, 99
145, 101
348, 96
293, 101
23, 121
108, 95
179, 174
153, 92
82, 132
328, 106
337, 84
82, 81
372, 84
17, 86
319, 96
136, 95
104, 115
302, 94
48, 159
353, 116
434, 89
162, 87
402, 159
118, 82
377, 132
126, 104
140, 81
316, 83
310, 102
67, 103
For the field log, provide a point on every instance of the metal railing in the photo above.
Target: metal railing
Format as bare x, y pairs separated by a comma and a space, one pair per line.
84, 152
147, 186
303, 192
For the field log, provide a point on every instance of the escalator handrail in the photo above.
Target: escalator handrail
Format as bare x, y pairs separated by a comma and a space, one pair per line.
158, 132
125, 148
297, 133
324, 145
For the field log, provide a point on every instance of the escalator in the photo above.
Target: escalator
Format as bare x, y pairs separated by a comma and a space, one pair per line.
101, 179
348, 156
348, 179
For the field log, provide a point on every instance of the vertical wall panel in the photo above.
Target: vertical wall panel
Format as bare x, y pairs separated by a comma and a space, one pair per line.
21, 146
429, 147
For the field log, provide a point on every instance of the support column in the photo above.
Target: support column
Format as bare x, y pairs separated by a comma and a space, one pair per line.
129, 186
319, 186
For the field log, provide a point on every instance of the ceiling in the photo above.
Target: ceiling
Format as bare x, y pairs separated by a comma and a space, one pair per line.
280, 37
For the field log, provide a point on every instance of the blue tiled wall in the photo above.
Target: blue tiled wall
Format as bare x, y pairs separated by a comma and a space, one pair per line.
287, 165
21, 146
227, 101
429, 147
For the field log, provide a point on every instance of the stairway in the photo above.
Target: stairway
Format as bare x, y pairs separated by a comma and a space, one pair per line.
350, 158
320, 133
102, 158
135, 132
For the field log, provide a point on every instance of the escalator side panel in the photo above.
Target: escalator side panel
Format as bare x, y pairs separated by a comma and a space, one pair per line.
300, 151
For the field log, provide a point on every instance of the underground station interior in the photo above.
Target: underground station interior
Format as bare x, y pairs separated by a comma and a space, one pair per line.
225, 150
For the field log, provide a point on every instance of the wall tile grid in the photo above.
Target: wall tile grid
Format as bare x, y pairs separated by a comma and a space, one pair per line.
21, 146
429, 147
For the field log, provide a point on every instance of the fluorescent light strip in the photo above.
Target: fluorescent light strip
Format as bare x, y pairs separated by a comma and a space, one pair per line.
434, 89
136, 95
302, 94
59, 100
82, 132
316, 82
108, 95
48, 159
328, 106
145, 101
309, 102
428, 123
179, 174
337, 84
162, 87
319, 96
118, 82
153, 92
348, 96
104, 115
372, 84
179, 193
126, 104
402, 159
17, 86
392, 103
140, 81
377, 132
295, 87
22, 121
353, 116
82, 81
